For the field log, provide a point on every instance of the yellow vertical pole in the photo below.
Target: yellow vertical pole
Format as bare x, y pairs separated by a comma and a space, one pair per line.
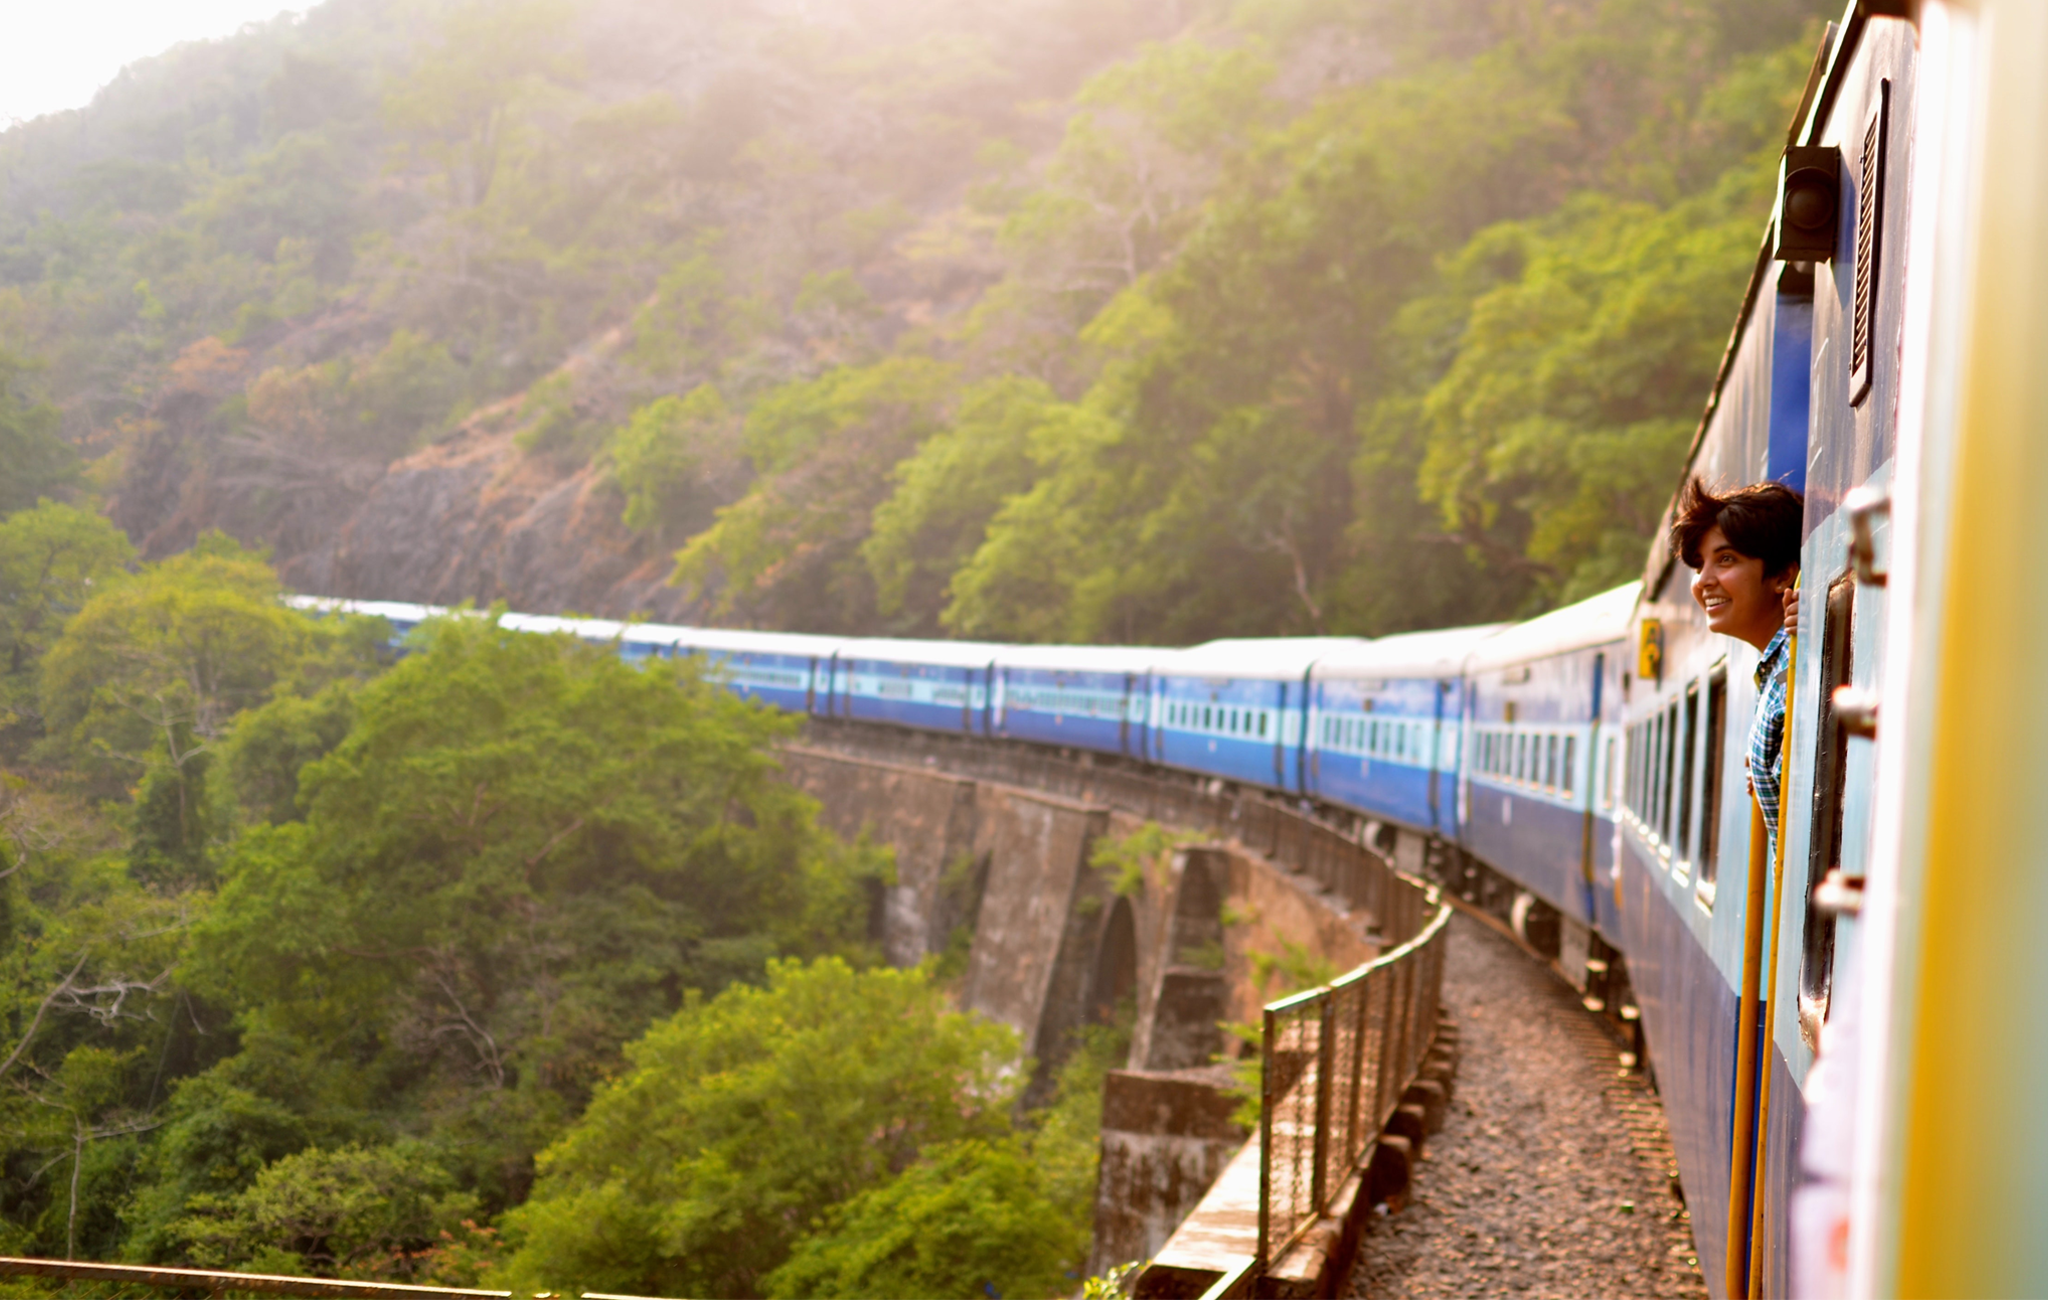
1742, 1135
1764, 1038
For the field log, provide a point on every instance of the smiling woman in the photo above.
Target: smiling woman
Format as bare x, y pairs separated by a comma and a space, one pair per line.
1743, 549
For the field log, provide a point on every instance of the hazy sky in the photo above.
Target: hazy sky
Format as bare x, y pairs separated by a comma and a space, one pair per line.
56, 53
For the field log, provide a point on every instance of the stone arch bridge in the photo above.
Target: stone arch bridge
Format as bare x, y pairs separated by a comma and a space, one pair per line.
1000, 862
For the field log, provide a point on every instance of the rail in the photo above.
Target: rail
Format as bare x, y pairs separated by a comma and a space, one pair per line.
1335, 1063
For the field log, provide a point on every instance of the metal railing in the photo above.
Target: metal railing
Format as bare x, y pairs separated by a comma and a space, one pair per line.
1335, 1064
211, 1282
194, 1281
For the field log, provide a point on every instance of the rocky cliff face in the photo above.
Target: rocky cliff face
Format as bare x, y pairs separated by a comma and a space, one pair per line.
472, 517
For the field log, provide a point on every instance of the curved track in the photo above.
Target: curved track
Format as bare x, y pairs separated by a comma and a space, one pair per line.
1553, 1174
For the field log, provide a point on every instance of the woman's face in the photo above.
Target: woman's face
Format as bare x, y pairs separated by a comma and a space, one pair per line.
1740, 601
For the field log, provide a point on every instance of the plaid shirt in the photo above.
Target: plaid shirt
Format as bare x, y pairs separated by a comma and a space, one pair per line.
1767, 734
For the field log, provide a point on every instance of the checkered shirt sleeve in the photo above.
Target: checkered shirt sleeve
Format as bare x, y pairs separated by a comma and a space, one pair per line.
1767, 732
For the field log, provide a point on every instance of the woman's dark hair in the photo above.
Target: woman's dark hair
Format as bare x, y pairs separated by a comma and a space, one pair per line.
1761, 521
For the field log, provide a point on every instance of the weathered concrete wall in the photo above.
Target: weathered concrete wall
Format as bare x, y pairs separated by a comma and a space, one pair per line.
1213, 930
1165, 1138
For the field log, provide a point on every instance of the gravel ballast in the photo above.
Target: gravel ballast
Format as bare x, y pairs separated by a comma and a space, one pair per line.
1553, 1173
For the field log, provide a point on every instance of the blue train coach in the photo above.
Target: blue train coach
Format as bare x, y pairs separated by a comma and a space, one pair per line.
1236, 709
1537, 795
1385, 721
1086, 697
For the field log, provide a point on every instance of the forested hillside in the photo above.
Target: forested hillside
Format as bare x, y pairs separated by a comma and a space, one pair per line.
1144, 320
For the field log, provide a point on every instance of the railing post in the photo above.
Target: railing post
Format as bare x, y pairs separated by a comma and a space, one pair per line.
1352, 1144
1326, 1061
1266, 1103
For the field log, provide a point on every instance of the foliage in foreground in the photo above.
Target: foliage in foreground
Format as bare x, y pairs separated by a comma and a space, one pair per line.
748, 1116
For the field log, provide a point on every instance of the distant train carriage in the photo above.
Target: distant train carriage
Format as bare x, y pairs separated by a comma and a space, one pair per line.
1536, 795
1384, 725
930, 685
1087, 697
1236, 709
789, 670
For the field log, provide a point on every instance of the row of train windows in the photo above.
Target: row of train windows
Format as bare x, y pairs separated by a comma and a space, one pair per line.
1380, 737
1214, 717
1673, 785
1542, 759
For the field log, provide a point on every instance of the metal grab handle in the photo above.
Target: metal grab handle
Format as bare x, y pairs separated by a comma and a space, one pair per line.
1856, 709
1861, 504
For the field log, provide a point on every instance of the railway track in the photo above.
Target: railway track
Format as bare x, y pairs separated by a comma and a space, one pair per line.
1553, 1174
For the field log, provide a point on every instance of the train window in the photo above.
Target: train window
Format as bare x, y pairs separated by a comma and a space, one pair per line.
1652, 748
1710, 779
1550, 762
1521, 759
1667, 762
1686, 746
1628, 778
1262, 722
1639, 764
1830, 773
1567, 769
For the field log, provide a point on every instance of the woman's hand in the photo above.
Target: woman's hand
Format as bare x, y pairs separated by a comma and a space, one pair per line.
1791, 611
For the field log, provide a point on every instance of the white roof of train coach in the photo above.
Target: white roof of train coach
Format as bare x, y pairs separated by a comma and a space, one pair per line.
1597, 620
741, 641
585, 629
945, 654
1439, 653
1275, 659
398, 611
1081, 658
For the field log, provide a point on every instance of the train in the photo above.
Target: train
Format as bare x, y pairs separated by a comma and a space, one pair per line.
1846, 1032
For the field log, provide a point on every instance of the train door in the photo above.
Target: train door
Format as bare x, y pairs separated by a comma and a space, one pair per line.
1830, 790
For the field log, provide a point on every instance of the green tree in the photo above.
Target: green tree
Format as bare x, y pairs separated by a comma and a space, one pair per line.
34, 459
970, 1218
787, 554
676, 460
454, 102
947, 492
522, 853
1553, 433
745, 1117
146, 677
51, 559
359, 1212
